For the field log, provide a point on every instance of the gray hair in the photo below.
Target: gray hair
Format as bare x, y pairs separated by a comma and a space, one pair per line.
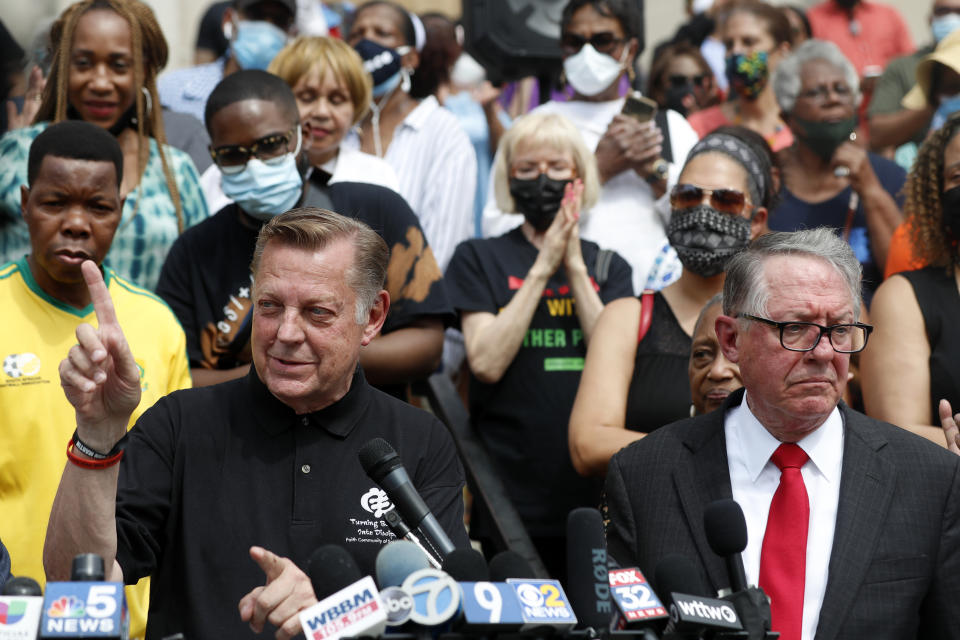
745, 288
312, 229
786, 79
711, 303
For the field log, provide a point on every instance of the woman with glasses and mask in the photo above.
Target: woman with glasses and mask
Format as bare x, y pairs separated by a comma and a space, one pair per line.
757, 37
911, 372
106, 57
599, 41
425, 144
333, 93
528, 303
828, 179
680, 79
635, 377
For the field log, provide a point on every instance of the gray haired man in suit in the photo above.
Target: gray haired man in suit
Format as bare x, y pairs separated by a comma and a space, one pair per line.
853, 524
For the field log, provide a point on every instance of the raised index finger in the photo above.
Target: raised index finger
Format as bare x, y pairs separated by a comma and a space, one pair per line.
102, 303
269, 562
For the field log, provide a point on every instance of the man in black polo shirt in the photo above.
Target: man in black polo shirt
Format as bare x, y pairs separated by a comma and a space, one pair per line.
254, 128
268, 461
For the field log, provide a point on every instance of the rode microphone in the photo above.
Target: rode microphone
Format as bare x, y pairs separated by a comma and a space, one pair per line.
21, 604
381, 462
86, 606
588, 571
349, 602
693, 614
726, 531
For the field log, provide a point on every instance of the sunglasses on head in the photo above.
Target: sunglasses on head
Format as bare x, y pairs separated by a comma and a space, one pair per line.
730, 201
604, 42
680, 80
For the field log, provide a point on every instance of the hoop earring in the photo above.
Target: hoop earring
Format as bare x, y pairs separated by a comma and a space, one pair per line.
148, 106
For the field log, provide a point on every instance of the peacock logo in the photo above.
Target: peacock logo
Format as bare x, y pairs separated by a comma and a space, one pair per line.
13, 612
67, 607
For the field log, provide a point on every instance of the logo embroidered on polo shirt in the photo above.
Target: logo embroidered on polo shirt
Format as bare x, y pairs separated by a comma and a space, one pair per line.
376, 502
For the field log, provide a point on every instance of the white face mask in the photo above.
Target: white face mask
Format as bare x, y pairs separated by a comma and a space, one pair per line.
589, 72
467, 72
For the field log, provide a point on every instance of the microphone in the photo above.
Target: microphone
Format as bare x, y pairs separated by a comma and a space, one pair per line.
692, 614
727, 535
403, 532
349, 604
509, 564
85, 606
486, 607
726, 531
21, 604
396, 561
587, 569
381, 462
635, 599
466, 565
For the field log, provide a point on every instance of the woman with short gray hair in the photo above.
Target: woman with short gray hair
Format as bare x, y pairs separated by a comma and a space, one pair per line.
829, 180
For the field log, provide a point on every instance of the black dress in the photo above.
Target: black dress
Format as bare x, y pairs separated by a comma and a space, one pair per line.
939, 300
659, 391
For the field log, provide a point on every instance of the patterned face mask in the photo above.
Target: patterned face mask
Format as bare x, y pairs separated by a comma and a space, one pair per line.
705, 239
748, 73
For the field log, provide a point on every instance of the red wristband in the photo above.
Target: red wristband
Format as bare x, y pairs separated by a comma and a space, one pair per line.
87, 463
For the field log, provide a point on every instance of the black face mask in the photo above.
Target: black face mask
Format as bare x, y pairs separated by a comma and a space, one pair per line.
705, 239
675, 96
538, 199
950, 205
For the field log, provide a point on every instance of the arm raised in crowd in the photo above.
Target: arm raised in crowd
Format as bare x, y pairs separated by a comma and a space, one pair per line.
102, 382
408, 353
492, 340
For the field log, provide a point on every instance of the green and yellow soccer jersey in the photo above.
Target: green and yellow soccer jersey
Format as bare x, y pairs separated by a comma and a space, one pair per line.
36, 421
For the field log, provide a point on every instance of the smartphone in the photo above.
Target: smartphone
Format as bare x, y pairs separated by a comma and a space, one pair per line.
639, 107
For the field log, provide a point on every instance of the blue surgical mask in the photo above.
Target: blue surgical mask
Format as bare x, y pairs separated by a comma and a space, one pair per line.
944, 26
266, 188
257, 43
383, 64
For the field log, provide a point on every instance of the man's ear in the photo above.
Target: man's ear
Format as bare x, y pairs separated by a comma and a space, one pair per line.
376, 317
728, 335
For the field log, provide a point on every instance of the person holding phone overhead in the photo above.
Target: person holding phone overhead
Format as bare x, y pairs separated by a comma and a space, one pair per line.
599, 41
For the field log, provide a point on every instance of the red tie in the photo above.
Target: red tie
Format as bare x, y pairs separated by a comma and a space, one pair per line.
783, 558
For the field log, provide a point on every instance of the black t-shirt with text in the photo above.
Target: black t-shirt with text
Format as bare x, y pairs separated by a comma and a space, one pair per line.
522, 419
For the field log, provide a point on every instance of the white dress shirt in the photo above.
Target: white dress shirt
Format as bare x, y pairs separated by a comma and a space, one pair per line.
754, 479
437, 168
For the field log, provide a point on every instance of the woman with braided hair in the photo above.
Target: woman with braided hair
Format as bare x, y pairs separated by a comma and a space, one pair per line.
106, 57
911, 372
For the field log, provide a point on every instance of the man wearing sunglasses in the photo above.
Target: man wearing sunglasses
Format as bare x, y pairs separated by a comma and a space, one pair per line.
255, 137
851, 522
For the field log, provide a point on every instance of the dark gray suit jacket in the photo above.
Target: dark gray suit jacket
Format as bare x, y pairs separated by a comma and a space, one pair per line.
895, 565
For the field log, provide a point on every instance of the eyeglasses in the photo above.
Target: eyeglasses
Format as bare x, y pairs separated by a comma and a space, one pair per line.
805, 336
821, 93
604, 42
233, 158
679, 80
724, 200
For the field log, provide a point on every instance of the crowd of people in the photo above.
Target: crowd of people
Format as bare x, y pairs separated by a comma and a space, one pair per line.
222, 280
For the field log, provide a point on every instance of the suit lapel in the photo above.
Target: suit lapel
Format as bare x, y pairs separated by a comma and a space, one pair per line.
707, 478
866, 487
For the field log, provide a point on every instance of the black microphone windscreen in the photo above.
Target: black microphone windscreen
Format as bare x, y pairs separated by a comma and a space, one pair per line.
726, 527
378, 458
509, 564
675, 573
87, 567
588, 583
22, 586
466, 565
396, 561
331, 568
